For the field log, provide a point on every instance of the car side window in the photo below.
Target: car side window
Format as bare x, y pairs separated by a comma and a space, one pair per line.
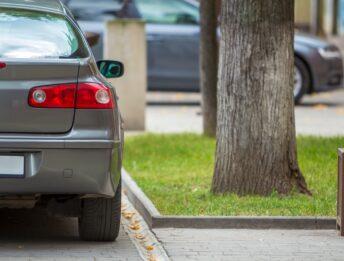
168, 11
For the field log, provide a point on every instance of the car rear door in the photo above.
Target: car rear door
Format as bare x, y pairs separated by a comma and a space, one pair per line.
17, 78
173, 56
173, 43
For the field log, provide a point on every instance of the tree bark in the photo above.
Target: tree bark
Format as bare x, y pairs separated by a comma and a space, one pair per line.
209, 64
256, 141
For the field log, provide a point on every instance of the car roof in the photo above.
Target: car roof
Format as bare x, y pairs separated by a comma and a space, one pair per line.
54, 6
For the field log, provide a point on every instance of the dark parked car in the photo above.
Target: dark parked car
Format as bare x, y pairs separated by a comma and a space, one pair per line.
173, 44
60, 128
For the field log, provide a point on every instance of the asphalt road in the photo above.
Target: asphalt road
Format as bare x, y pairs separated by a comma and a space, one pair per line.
32, 235
319, 114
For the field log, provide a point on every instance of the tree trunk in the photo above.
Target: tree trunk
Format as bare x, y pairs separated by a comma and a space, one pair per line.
256, 143
209, 65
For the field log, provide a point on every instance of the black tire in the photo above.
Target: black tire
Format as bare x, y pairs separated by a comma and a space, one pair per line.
305, 79
101, 218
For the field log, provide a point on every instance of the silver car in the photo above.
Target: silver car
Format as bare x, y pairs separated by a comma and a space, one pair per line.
60, 128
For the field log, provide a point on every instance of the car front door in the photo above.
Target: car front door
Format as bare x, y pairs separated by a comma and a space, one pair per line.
173, 43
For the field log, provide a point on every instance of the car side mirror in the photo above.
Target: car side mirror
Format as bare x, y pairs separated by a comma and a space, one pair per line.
111, 69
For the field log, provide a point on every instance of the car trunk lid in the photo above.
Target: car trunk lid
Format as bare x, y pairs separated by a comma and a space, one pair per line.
17, 78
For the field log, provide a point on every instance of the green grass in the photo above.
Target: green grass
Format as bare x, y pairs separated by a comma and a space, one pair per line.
175, 171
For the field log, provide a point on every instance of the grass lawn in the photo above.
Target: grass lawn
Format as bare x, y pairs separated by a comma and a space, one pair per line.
175, 171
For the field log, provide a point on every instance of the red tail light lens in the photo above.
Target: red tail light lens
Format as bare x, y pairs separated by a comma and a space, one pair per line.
56, 96
93, 96
79, 96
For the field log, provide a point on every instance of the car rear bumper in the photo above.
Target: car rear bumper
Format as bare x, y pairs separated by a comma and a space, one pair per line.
75, 167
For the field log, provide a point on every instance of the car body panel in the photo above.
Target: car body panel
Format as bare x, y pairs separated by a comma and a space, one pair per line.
165, 43
58, 171
326, 74
17, 79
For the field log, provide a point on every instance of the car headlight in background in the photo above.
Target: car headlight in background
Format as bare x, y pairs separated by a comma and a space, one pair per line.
330, 52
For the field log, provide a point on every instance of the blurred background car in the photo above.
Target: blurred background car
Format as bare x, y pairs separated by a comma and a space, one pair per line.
173, 32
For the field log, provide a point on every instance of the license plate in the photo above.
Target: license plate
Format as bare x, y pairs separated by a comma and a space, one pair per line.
11, 166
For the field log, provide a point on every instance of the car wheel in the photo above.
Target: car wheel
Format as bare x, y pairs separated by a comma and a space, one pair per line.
301, 80
100, 218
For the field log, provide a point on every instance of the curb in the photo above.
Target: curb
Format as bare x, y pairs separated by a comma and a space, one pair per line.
139, 200
155, 220
140, 234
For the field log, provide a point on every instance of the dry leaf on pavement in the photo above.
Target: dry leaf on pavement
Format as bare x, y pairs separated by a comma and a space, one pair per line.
320, 107
135, 227
139, 236
150, 248
128, 215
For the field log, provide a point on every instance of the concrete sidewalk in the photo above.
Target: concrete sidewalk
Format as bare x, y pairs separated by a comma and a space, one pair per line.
237, 245
320, 114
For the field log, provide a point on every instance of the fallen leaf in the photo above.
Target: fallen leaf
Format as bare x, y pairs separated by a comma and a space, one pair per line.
150, 248
139, 236
320, 107
128, 215
135, 227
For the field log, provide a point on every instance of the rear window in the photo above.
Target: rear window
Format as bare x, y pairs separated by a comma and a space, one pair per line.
34, 35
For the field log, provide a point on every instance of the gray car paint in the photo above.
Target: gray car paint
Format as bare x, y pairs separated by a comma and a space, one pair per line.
173, 56
84, 157
16, 81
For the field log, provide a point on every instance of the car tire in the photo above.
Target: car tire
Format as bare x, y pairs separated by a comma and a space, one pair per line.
100, 218
301, 80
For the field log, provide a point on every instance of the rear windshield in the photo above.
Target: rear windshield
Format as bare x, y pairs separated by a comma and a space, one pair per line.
34, 35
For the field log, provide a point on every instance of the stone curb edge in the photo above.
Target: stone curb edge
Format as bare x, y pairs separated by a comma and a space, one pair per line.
155, 220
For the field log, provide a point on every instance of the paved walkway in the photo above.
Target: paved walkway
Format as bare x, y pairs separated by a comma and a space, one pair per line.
321, 114
265, 245
27, 235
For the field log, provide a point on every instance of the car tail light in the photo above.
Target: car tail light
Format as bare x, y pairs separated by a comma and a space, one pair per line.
55, 96
79, 96
93, 96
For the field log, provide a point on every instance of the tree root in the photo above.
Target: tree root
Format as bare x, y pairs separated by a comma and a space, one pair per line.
300, 182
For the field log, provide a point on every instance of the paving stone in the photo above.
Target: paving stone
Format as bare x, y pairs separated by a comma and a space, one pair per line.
33, 236
230, 244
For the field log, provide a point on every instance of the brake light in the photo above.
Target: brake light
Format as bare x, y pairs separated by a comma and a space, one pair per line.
2, 65
78, 96
56, 96
93, 96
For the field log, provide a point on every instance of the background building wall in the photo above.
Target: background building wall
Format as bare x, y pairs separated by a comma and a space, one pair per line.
303, 14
